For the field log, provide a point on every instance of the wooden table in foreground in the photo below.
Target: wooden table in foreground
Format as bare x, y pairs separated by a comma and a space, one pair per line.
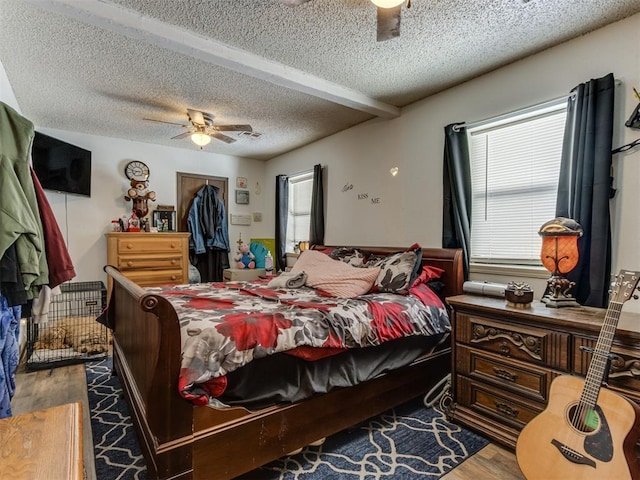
46, 444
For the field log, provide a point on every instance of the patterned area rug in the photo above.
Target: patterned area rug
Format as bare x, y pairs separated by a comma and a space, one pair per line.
407, 442
115, 445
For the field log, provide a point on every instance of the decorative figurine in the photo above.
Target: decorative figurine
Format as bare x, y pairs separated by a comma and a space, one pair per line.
140, 194
244, 258
518, 295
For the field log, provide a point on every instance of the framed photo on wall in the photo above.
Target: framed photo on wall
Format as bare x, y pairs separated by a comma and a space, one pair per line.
242, 197
164, 220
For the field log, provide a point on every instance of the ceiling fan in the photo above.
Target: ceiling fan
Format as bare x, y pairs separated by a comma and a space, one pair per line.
201, 128
388, 25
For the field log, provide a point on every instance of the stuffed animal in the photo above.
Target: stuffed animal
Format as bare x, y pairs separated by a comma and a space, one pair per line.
140, 194
244, 258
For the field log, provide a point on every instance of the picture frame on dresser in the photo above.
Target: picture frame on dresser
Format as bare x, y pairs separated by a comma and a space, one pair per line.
164, 220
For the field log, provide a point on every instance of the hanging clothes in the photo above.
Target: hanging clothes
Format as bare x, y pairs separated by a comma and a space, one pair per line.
207, 223
59, 262
9, 353
19, 215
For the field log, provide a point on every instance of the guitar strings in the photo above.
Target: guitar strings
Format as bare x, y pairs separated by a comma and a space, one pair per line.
585, 418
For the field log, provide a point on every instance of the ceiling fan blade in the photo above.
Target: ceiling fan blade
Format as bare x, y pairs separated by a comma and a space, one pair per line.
222, 137
233, 128
182, 135
388, 23
170, 123
196, 117
293, 3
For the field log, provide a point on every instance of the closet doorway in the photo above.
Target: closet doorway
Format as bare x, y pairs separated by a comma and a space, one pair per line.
188, 186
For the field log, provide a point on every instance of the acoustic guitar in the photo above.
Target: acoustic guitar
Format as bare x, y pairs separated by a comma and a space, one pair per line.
587, 431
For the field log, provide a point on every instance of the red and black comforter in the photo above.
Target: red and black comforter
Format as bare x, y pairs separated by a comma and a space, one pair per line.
225, 326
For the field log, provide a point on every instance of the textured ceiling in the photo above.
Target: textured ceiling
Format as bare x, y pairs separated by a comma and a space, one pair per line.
296, 74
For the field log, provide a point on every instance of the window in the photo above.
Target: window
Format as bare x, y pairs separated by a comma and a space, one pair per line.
299, 218
515, 164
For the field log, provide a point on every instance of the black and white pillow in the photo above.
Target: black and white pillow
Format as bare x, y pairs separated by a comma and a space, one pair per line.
352, 256
397, 270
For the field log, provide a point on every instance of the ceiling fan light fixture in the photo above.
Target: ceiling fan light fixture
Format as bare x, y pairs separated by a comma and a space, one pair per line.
200, 139
387, 3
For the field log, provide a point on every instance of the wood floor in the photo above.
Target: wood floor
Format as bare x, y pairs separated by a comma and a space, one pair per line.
48, 388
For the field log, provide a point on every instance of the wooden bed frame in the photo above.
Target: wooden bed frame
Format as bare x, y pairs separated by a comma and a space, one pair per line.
180, 440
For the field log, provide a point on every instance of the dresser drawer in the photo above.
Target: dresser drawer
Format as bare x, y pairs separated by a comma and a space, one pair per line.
150, 244
163, 262
510, 410
529, 344
624, 371
150, 278
513, 375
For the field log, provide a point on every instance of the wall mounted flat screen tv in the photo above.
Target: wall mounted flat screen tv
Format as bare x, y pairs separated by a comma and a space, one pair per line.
61, 166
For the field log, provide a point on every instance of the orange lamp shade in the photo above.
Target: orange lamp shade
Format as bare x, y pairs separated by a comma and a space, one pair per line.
559, 254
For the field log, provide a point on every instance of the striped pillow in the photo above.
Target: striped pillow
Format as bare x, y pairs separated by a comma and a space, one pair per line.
334, 276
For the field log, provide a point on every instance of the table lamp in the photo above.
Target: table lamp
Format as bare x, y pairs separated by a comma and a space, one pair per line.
559, 255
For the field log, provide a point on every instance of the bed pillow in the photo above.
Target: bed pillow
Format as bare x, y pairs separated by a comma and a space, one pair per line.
352, 256
428, 274
398, 270
333, 276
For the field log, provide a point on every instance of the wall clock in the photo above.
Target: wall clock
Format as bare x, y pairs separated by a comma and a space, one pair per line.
136, 170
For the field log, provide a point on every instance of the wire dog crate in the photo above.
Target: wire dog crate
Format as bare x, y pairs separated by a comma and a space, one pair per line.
71, 333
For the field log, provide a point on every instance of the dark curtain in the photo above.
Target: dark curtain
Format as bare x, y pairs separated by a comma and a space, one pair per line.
282, 208
316, 228
585, 185
456, 214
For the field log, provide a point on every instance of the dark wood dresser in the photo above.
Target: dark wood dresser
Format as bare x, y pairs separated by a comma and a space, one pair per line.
504, 359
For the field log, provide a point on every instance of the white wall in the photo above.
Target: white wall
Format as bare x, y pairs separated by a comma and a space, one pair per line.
410, 208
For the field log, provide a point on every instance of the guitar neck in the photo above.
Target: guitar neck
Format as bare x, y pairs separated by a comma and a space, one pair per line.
599, 361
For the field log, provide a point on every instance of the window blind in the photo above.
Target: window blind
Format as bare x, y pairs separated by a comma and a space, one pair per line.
515, 164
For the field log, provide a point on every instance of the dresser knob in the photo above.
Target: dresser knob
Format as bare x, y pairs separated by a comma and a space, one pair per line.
174, 261
173, 277
505, 374
506, 409
129, 263
129, 245
173, 245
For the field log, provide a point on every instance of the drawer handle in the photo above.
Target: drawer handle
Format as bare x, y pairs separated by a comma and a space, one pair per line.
129, 245
173, 245
173, 277
129, 263
174, 261
505, 374
506, 409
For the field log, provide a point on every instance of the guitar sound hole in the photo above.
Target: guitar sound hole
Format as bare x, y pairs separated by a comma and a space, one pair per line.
583, 419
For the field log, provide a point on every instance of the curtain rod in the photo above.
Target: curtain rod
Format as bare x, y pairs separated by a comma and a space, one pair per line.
477, 123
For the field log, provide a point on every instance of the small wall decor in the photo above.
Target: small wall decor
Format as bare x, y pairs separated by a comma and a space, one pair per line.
240, 219
241, 182
242, 197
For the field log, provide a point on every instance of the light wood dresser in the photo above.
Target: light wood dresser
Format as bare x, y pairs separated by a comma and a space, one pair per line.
504, 359
150, 258
43, 445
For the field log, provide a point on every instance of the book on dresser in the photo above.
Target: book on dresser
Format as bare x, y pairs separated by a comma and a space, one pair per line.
504, 360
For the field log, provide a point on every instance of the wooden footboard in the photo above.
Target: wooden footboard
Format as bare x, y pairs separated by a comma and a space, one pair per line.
180, 440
